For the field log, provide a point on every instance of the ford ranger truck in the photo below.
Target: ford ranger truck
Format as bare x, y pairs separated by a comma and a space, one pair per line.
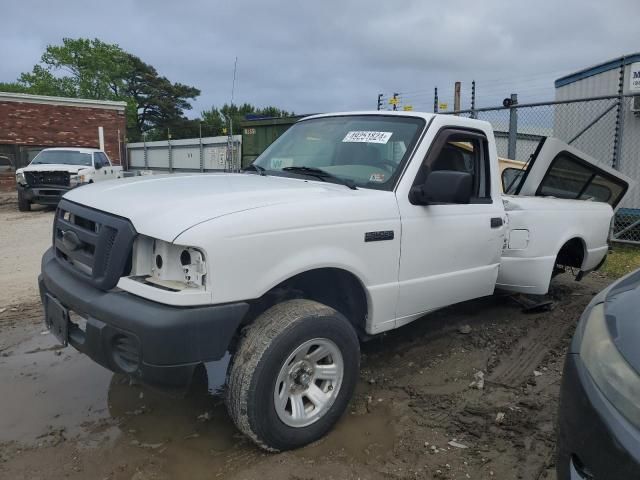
54, 171
347, 226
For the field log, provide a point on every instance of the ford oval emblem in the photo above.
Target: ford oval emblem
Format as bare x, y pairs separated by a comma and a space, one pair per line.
70, 240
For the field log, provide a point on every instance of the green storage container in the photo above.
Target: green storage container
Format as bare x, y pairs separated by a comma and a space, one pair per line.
258, 134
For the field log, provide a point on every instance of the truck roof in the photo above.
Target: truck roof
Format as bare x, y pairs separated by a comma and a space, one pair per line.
74, 149
454, 120
425, 115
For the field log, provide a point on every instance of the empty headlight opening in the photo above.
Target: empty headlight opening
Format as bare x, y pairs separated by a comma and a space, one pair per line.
168, 266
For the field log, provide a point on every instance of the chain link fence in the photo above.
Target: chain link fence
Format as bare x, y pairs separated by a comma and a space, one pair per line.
606, 128
626, 226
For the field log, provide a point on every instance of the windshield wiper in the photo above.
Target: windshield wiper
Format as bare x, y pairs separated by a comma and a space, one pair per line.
322, 175
261, 171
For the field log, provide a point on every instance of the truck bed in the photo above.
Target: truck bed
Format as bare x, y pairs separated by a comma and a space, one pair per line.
532, 240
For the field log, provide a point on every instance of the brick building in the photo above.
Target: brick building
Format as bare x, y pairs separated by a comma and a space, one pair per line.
29, 123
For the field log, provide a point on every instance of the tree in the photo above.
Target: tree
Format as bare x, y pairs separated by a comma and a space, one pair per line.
13, 87
213, 122
217, 119
159, 103
94, 69
41, 81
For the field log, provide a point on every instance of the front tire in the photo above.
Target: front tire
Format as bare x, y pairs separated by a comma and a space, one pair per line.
24, 205
293, 374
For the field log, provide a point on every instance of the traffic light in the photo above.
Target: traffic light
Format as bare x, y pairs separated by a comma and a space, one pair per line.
380, 95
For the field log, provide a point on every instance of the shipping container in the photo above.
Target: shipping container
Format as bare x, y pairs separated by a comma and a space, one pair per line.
259, 133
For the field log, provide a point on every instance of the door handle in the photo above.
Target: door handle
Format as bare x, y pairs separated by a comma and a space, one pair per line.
496, 222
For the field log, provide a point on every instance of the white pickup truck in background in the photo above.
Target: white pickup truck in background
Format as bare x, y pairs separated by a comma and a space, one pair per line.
349, 225
54, 171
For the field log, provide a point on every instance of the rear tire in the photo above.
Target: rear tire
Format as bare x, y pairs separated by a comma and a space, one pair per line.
293, 374
24, 205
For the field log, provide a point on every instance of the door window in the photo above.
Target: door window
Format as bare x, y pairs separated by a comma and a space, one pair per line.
511, 178
460, 151
101, 160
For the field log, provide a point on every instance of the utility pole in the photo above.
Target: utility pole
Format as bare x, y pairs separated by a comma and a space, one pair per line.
435, 100
473, 99
456, 97
230, 162
120, 151
201, 150
169, 150
512, 103
617, 136
146, 159
395, 101
229, 166
380, 95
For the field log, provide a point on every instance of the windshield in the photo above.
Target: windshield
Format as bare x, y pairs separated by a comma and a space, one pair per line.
368, 150
66, 157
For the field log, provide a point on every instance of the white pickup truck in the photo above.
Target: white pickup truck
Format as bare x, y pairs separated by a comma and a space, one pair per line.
349, 225
54, 171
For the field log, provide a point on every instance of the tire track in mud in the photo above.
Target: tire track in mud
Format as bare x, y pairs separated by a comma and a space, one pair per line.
26, 312
12, 320
549, 331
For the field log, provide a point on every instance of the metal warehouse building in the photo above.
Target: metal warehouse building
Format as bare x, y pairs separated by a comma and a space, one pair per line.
614, 122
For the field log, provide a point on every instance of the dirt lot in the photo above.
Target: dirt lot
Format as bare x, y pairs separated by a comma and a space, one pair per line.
24, 237
414, 415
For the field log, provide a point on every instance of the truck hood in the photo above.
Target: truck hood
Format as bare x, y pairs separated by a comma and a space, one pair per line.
164, 206
53, 167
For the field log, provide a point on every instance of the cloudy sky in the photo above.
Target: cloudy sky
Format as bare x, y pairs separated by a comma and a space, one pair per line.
336, 55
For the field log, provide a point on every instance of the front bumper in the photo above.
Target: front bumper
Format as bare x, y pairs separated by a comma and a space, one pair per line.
594, 440
43, 195
159, 344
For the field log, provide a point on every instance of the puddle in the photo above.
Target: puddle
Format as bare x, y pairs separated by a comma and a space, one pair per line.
154, 417
51, 394
44, 387
42, 390
358, 435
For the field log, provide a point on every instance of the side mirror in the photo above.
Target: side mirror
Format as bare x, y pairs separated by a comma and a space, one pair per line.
97, 165
443, 186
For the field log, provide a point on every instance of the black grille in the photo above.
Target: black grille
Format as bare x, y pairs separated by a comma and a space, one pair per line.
93, 244
47, 178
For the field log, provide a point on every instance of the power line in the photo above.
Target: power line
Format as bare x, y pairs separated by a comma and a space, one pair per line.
501, 79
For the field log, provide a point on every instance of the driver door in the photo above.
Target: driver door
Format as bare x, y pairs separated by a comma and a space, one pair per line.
451, 252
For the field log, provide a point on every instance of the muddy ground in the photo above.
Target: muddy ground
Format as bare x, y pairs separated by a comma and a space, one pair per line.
415, 413
23, 237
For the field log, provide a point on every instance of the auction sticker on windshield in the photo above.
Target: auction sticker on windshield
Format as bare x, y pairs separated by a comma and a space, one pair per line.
367, 137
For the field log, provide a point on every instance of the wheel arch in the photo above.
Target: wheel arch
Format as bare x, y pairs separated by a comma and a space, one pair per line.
335, 287
572, 253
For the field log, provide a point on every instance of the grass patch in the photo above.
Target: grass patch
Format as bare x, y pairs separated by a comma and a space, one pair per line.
623, 259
